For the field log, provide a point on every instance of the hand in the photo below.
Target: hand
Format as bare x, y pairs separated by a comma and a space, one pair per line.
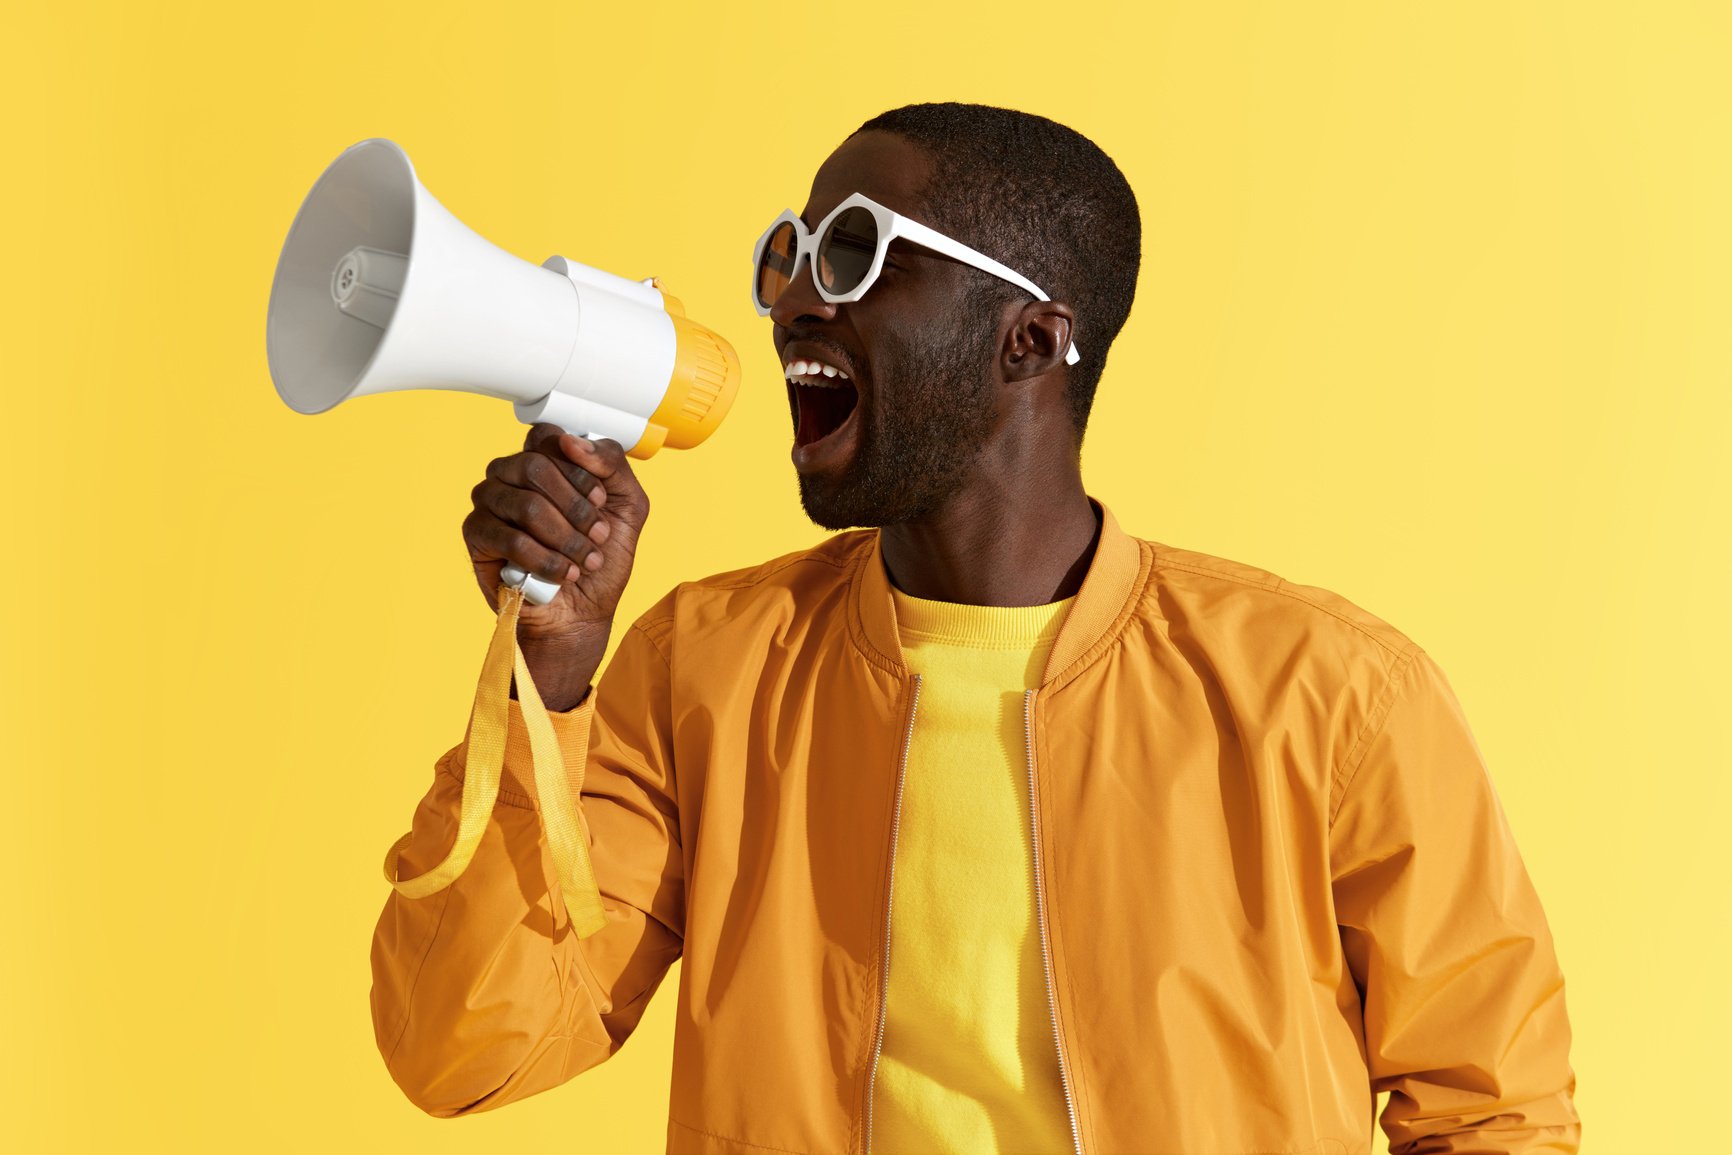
567, 511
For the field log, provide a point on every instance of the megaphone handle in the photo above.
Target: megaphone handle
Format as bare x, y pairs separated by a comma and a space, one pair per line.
537, 590
534, 589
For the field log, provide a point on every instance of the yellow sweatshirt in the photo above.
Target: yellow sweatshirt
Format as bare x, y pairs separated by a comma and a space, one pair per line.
969, 1061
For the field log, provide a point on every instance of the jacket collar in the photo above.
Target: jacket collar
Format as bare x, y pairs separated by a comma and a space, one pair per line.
1115, 573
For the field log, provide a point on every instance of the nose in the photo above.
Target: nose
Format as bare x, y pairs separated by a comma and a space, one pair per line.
800, 300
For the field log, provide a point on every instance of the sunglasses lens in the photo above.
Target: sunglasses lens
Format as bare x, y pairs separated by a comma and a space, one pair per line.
846, 250
776, 266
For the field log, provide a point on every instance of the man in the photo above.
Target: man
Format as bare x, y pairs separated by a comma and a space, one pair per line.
988, 826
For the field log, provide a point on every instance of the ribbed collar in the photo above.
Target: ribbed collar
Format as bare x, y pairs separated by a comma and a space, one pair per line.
1114, 574
977, 627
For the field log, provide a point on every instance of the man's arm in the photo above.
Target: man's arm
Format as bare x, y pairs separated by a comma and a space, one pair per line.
482, 994
1465, 1023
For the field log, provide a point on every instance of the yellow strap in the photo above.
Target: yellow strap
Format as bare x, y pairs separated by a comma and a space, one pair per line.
486, 756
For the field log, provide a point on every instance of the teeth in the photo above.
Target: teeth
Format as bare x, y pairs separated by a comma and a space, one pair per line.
814, 373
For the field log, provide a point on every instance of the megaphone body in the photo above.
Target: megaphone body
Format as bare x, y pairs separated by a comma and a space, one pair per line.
379, 289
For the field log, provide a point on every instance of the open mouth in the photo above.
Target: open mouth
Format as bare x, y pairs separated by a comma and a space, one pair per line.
823, 398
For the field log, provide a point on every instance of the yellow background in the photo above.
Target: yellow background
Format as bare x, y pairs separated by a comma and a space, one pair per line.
1434, 313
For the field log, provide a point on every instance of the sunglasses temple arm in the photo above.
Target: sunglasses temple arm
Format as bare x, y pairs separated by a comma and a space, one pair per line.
939, 243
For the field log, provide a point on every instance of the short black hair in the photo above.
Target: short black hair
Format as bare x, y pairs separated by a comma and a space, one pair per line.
1041, 198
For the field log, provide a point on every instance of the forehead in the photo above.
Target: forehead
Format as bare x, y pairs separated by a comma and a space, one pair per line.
890, 169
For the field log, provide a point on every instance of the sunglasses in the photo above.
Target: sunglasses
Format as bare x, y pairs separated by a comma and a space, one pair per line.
846, 254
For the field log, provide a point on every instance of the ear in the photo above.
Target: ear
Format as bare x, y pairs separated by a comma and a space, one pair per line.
1039, 337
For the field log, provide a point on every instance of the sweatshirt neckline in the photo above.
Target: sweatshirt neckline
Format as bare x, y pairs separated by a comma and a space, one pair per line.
1110, 594
981, 627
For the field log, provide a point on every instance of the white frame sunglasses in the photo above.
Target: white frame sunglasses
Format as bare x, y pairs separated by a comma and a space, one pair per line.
891, 225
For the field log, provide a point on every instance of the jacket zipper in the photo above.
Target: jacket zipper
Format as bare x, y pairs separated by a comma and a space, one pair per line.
889, 894
1040, 918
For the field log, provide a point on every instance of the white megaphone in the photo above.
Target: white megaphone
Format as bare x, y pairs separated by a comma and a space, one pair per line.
380, 288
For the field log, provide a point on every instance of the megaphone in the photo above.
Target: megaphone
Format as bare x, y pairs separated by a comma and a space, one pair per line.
379, 288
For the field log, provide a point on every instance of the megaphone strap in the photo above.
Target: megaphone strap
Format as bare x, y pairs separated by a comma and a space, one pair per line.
485, 759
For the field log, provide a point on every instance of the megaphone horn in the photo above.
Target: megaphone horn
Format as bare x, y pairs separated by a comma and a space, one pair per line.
379, 289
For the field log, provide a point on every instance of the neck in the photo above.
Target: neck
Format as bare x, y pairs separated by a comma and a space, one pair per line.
998, 542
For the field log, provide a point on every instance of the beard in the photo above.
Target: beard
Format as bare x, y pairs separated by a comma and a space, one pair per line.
931, 414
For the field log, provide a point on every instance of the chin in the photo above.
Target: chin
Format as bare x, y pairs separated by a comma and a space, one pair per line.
827, 512
846, 504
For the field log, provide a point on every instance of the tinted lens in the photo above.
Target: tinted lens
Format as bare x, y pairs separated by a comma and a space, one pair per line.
845, 252
776, 266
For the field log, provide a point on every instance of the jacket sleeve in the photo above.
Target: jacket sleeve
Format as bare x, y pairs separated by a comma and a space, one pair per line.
482, 994
1463, 999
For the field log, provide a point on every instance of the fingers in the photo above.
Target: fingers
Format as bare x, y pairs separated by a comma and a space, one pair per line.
489, 538
546, 437
549, 440
605, 459
533, 514
541, 434
542, 509
595, 456
570, 489
602, 458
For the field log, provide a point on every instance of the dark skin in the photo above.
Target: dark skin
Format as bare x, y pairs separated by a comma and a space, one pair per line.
1007, 523
1018, 530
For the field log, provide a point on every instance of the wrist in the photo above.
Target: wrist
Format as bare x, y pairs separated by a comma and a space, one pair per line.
564, 666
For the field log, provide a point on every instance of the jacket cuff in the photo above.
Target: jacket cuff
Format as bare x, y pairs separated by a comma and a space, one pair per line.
517, 775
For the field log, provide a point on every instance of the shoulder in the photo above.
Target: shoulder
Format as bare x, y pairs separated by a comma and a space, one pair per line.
1237, 603
794, 584
830, 558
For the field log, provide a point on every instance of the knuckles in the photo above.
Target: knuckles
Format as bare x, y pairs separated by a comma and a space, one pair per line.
526, 507
539, 432
472, 528
524, 551
538, 468
519, 491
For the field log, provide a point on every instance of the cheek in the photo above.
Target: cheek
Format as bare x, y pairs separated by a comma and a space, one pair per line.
904, 330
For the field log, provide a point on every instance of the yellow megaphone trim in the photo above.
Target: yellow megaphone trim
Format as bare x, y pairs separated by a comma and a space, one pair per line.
701, 390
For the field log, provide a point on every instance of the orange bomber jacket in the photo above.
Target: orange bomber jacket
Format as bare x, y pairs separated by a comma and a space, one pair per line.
1273, 877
